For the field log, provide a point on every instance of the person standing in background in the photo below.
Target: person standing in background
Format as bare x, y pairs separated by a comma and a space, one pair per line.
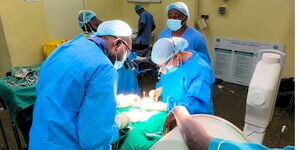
88, 21
146, 25
178, 15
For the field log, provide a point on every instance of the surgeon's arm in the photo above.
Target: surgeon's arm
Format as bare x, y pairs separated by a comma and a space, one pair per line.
96, 123
192, 132
198, 96
199, 92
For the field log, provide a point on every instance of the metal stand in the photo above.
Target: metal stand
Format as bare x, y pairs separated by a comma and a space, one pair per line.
14, 127
4, 136
17, 137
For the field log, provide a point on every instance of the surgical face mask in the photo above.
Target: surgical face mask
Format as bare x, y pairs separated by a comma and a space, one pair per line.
174, 24
119, 63
171, 69
168, 69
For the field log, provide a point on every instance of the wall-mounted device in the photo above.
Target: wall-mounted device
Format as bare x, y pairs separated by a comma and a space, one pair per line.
222, 10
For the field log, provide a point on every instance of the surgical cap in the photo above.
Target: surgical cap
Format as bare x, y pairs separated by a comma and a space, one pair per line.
180, 6
114, 28
138, 7
165, 48
85, 16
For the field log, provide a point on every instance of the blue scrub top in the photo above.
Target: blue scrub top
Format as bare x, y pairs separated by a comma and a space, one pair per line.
190, 86
75, 107
145, 37
230, 145
196, 40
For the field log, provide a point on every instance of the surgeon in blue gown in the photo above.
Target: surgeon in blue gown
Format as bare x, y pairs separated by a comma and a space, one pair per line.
186, 79
196, 137
178, 15
127, 81
76, 91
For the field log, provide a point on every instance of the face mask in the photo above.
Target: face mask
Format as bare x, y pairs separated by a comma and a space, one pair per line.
171, 69
118, 64
173, 24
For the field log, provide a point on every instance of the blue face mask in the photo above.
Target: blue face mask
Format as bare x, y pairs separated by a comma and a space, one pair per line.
118, 64
171, 69
174, 24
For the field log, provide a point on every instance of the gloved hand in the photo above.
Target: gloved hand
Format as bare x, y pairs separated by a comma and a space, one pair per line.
122, 120
155, 94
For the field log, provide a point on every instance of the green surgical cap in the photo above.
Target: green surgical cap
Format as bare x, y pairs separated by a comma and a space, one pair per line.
85, 16
138, 7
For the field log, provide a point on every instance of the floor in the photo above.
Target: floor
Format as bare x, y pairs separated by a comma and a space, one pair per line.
229, 103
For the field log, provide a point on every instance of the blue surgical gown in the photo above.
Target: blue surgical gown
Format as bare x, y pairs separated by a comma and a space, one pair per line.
190, 86
127, 82
75, 107
196, 40
230, 145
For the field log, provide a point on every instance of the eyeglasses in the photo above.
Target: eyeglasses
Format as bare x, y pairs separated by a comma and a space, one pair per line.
163, 68
120, 41
126, 45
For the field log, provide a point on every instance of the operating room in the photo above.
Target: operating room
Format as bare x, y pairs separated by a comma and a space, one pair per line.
147, 74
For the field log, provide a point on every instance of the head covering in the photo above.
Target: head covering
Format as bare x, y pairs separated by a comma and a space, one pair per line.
165, 48
138, 7
114, 28
180, 6
85, 16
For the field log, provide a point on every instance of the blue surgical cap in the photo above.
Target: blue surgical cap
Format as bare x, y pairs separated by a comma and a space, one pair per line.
165, 48
180, 6
85, 16
138, 7
114, 28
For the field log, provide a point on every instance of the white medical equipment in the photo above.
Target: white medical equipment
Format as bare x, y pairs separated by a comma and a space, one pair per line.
214, 126
262, 93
